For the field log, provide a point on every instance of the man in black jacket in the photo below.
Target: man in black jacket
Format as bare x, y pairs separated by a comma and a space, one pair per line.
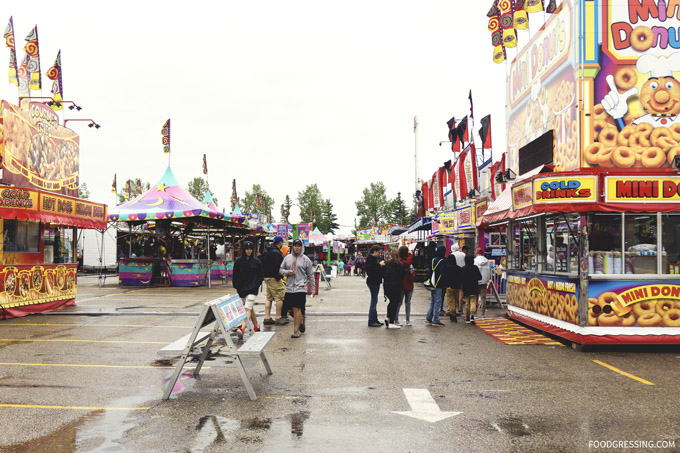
247, 279
374, 272
276, 290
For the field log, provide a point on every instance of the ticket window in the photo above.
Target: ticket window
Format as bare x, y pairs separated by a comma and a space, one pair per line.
523, 245
560, 250
59, 245
604, 241
21, 236
640, 236
670, 240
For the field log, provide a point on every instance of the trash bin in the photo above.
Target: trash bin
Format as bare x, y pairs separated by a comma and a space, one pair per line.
317, 276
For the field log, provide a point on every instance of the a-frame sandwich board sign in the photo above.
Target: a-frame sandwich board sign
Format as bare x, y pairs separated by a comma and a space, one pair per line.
226, 312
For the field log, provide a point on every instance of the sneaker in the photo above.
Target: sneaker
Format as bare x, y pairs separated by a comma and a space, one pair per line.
256, 329
394, 326
467, 320
438, 324
387, 323
454, 319
428, 320
302, 327
408, 323
295, 335
268, 321
472, 320
375, 324
280, 321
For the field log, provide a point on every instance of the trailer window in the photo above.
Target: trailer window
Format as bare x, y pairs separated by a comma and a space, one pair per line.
21, 236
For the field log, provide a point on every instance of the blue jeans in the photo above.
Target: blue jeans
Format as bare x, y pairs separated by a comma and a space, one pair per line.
372, 311
405, 298
435, 305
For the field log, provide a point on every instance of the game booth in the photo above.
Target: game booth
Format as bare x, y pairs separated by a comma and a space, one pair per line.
593, 236
183, 235
39, 211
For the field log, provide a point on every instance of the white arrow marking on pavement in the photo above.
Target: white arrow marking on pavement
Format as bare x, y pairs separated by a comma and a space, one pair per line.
423, 406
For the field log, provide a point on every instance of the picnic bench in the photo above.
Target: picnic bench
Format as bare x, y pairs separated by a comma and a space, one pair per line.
201, 345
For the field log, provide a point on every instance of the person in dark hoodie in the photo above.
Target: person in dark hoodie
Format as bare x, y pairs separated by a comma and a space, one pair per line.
454, 280
393, 287
438, 270
374, 272
407, 260
276, 289
247, 279
471, 277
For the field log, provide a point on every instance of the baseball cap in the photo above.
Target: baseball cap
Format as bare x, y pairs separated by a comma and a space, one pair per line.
297, 242
248, 245
277, 239
478, 251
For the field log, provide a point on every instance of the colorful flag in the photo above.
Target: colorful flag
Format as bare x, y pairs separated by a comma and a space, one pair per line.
9, 42
534, 6
139, 186
126, 190
114, 188
435, 190
165, 132
472, 112
461, 130
32, 49
426, 198
442, 182
205, 165
54, 73
485, 131
234, 197
455, 178
453, 135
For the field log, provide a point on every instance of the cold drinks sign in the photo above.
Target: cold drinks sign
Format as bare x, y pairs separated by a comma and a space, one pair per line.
577, 189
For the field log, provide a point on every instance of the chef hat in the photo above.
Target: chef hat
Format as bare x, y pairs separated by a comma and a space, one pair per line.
659, 66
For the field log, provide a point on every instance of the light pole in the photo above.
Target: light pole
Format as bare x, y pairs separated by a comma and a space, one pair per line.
294, 219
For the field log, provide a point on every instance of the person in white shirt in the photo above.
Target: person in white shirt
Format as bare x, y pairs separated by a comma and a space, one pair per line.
483, 264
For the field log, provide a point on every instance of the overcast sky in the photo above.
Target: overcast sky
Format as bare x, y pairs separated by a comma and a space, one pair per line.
283, 94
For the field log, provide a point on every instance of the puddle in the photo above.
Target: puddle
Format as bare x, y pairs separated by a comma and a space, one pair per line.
64, 439
297, 423
185, 381
513, 426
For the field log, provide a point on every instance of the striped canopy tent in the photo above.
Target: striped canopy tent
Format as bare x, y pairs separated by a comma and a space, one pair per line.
167, 200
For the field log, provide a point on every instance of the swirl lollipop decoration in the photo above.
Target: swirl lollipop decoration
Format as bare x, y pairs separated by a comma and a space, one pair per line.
165, 133
494, 9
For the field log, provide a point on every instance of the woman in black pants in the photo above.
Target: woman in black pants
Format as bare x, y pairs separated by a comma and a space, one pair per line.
393, 287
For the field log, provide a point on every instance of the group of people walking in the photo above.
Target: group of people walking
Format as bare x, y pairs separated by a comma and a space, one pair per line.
286, 279
462, 277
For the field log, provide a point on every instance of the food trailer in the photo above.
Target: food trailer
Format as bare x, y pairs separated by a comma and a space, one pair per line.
592, 237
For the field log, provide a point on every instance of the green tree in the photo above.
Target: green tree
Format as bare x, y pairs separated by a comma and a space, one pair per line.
310, 202
83, 192
248, 202
328, 221
198, 187
287, 204
373, 208
399, 213
134, 189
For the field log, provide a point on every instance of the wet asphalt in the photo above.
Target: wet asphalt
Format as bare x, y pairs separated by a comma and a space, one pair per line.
89, 378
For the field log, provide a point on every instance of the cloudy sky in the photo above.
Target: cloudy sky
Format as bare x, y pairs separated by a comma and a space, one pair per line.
283, 94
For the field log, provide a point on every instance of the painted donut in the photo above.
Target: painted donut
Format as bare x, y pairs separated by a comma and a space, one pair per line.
675, 130
628, 319
671, 318
623, 157
641, 38
653, 157
644, 307
645, 128
604, 158
609, 319
671, 154
608, 136
592, 152
659, 132
665, 143
639, 140
624, 135
625, 78
599, 113
663, 305
650, 319
598, 125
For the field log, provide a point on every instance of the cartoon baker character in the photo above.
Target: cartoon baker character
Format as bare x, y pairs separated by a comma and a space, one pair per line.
660, 95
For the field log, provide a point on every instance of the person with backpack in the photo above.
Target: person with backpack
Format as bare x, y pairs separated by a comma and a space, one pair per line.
276, 289
471, 277
439, 282
374, 269
393, 286
454, 277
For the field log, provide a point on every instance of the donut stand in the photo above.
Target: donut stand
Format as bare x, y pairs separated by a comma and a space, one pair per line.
593, 238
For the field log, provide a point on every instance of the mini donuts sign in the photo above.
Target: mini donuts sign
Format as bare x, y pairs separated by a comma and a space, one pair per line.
642, 189
572, 190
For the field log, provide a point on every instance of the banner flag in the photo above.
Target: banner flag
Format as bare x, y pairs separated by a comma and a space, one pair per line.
426, 197
205, 165
9, 42
126, 191
114, 189
493, 172
139, 186
485, 131
472, 113
234, 197
165, 132
54, 73
462, 176
453, 135
442, 183
461, 130
32, 49
472, 171
455, 177
431, 196
435, 189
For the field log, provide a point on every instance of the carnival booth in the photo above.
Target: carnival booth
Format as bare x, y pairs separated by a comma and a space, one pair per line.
39, 211
592, 246
182, 226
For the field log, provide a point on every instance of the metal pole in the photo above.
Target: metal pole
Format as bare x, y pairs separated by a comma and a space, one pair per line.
209, 262
415, 133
